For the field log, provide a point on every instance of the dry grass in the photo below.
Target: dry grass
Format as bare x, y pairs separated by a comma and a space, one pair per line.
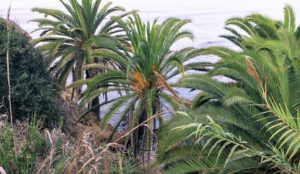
84, 152
85, 155
63, 153
2, 171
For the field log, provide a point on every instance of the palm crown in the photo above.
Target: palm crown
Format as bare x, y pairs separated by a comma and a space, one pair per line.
65, 35
141, 77
251, 124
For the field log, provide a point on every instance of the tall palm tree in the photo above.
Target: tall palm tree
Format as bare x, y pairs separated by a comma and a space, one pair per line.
142, 75
66, 36
250, 124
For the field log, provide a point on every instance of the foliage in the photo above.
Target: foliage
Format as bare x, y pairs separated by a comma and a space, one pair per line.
65, 36
20, 158
252, 123
52, 151
32, 88
247, 125
141, 76
66, 40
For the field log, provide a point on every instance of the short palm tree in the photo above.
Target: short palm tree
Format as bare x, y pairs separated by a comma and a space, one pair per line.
250, 124
66, 36
141, 77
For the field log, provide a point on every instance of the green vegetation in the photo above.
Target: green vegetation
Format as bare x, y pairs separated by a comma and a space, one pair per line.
33, 89
66, 38
20, 159
142, 75
44, 151
248, 124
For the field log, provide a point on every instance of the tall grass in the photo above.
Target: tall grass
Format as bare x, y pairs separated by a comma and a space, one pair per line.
8, 65
10, 113
54, 152
20, 158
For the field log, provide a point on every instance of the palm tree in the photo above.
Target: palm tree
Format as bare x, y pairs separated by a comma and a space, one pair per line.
66, 37
252, 123
142, 75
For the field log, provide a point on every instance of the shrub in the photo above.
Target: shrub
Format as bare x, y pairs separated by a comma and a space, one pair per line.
32, 88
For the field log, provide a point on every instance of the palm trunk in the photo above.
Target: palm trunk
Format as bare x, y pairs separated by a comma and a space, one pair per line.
142, 137
75, 91
95, 101
145, 135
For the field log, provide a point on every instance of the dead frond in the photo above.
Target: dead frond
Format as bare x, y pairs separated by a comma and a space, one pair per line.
140, 84
252, 71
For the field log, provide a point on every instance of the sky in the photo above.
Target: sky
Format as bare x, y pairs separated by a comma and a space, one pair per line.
180, 5
208, 16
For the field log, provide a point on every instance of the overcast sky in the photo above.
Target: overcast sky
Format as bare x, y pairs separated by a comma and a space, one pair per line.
165, 4
208, 16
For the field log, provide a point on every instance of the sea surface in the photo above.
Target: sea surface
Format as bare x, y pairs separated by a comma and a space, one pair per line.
208, 16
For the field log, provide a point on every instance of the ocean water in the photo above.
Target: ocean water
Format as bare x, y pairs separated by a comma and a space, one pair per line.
208, 17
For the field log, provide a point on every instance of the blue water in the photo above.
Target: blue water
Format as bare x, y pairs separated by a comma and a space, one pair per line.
208, 17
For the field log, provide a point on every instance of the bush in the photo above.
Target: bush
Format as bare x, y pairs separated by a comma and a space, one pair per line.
33, 90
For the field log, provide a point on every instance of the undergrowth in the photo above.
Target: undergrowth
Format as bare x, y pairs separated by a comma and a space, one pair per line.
55, 152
